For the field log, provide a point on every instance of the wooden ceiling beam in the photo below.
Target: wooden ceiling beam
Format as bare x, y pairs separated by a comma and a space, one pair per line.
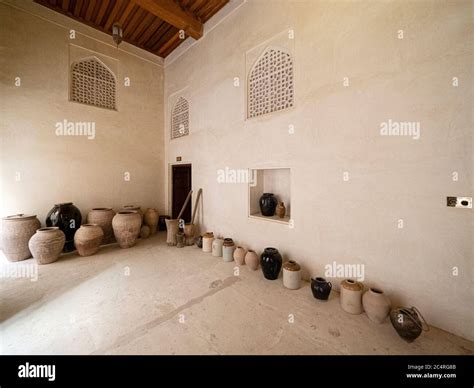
173, 14
111, 19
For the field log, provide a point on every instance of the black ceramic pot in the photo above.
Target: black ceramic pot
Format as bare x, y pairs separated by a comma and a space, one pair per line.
268, 204
321, 288
199, 241
162, 222
271, 263
67, 218
408, 322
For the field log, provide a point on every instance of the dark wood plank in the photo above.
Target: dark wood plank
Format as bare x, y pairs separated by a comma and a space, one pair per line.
143, 26
90, 9
157, 22
113, 15
78, 8
100, 14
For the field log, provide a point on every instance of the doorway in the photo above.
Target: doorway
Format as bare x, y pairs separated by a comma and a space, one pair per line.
181, 186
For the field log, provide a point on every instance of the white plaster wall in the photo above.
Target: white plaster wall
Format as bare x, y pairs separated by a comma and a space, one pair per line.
55, 169
337, 131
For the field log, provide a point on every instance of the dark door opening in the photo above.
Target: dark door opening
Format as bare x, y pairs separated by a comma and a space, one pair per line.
181, 181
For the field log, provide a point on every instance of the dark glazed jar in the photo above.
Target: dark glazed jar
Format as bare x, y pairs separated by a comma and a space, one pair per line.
321, 288
271, 263
268, 204
408, 322
162, 222
67, 218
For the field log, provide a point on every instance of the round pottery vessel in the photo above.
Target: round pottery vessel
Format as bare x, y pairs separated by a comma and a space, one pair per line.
68, 218
376, 305
145, 231
150, 219
126, 225
408, 322
228, 250
198, 241
268, 204
207, 239
88, 239
271, 262
351, 296
134, 208
239, 255
320, 288
47, 244
251, 260
281, 210
291, 275
16, 233
217, 245
103, 217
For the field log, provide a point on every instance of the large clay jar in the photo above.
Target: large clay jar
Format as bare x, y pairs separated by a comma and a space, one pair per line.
320, 288
228, 249
15, 234
268, 204
271, 262
207, 239
351, 296
88, 239
103, 216
291, 275
126, 226
47, 244
376, 305
408, 322
251, 260
217, 245
281, 210
150, 218
239, 255
68, 218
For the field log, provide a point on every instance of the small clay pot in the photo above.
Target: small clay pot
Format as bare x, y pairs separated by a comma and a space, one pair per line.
217, 245
150, 219
280, 210
408, 322
103, 217
252, 260
239, 255
16, 232
88, 238
207, 239
47, 244
376, 305
291, 275
145, 231
351, 296
320, 288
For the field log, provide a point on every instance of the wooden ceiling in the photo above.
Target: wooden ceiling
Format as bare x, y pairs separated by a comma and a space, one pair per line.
152, 25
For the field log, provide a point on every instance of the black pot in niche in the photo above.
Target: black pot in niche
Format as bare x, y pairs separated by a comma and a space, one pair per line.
68, 218
271, 262
268, 204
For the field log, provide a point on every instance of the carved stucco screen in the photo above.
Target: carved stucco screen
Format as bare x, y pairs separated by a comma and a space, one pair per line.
92, 83
270, 83
180, 118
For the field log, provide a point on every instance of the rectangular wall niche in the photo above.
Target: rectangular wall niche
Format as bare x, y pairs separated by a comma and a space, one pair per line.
270, 180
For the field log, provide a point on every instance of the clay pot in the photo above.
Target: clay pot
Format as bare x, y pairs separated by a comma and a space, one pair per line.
134, 208
268, 203
408, 322
271, 262
103, 216
126, 225
47, 244
88, 239
150, 218
145, 231
217, 245
68, 218
207, 241
180, 240
172, 227
351, 296
15, 233
239, 255
376, 305
291, 275
198, 241
320, 288
280, 210
228, 249
251, 260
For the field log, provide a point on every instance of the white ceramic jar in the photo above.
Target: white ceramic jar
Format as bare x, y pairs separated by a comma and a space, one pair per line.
376, 305
351, 296
207, 239
217, 245
228, 249
292, 275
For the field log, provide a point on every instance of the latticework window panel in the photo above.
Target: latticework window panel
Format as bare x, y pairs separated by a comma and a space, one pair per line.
270, 84
180, 118
92, 83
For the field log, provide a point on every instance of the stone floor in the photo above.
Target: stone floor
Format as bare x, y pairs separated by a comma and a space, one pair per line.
155, 299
